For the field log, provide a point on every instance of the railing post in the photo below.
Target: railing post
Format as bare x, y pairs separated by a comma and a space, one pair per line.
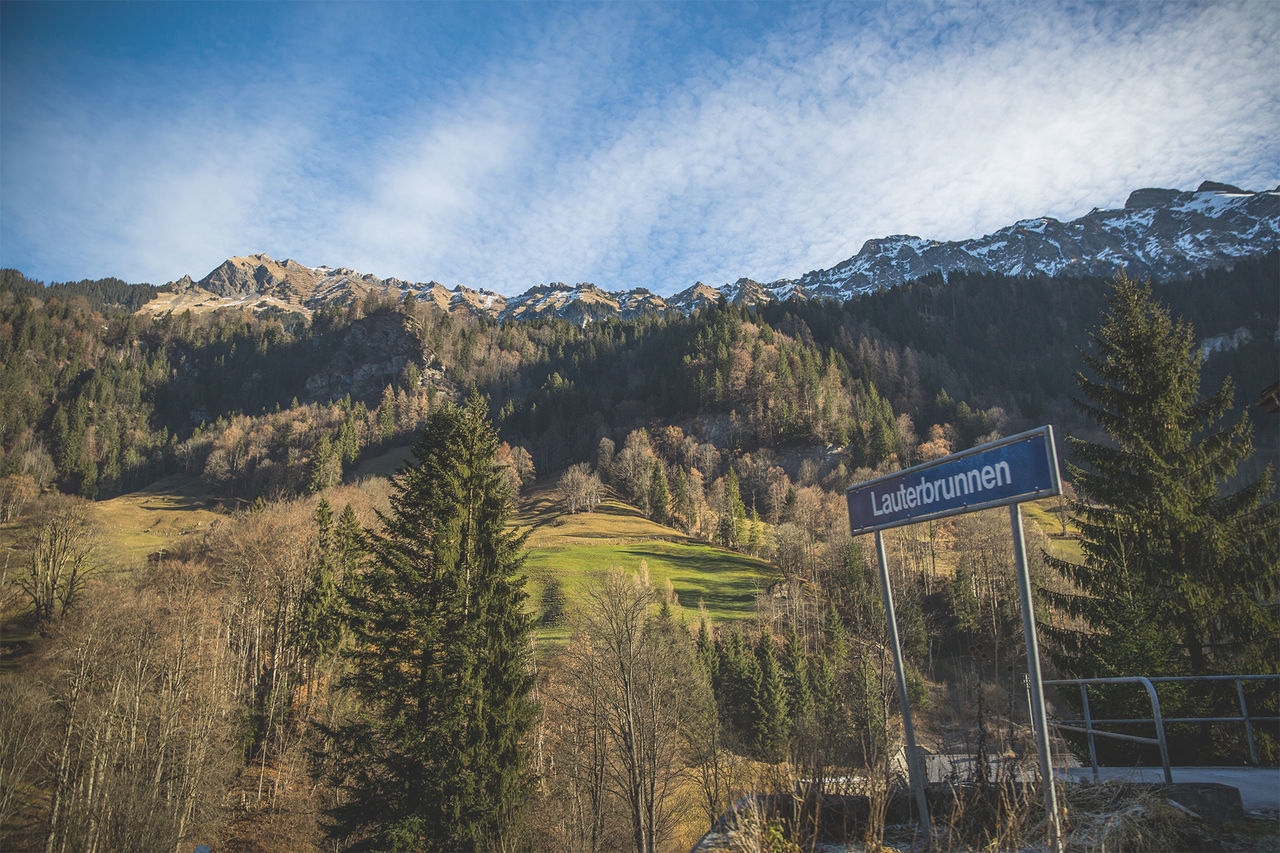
1248, 725
1088, 724
1159, 721
1026, 686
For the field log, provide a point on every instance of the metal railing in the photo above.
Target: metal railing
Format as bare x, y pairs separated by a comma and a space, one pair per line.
1156, 719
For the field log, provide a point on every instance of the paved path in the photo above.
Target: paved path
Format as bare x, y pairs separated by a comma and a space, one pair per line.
1259, 786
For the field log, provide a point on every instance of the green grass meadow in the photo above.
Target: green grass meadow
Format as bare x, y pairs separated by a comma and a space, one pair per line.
1047, 515
577, 548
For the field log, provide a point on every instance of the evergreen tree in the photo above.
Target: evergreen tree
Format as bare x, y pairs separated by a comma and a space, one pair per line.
326, 467
708, 654
348, 440
737, 681
1173, 564
799, 691
659, 494
770, 724
754, 533
965, 605
682, 510
735, 512
319, 628
347, 545
387, 414
826, 696
440, 654
860, 588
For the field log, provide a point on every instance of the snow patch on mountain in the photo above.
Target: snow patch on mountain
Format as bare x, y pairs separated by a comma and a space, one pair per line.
1161, 233
1226, 342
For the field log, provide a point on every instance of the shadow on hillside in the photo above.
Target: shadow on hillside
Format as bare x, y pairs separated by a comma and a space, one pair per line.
716, 578
18, 638
185, 506
618, 509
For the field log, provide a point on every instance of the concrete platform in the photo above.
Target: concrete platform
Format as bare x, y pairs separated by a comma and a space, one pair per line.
1259, 787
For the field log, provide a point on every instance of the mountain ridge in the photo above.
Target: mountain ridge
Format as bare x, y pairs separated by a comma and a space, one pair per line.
1159, 232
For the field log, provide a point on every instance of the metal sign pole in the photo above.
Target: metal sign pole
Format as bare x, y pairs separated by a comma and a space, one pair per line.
891, 618
1004, 472
1036, 684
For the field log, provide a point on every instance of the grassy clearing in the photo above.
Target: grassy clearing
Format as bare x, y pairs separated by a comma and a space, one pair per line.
132, 527
382, 465
142, 523
572, 548
576, 548
1047, 514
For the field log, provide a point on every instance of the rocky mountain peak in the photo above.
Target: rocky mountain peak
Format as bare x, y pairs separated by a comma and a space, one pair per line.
1215, 187
1148, 197
1159, 232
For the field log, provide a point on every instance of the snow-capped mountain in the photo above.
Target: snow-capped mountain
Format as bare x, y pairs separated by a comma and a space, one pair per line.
1160, 233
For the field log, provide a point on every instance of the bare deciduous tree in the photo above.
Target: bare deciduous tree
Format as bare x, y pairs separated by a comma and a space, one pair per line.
632, 467
518, 464
637, 667
61, 541
16, 491
138, 725
263, 560
581, 487
578, 742
23, 745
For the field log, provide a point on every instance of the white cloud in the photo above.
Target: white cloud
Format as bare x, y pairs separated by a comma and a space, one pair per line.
152, 196
787, 161
783, 167
552, 162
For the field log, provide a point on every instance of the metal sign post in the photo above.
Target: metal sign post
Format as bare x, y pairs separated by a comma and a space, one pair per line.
1003, 473
914, 770
1039, 720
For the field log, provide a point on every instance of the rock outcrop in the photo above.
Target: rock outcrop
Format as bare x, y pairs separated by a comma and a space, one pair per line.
1161, 233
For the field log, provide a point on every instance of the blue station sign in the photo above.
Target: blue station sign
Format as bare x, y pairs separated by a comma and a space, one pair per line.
1019, 468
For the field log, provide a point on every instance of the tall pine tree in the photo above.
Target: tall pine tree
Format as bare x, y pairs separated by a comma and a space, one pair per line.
771, 723
659, 494
799, 683
1174, 564
439, 658
319, 627
735, 512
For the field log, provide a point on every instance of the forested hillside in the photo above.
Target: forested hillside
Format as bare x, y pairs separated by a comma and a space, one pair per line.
274, 659
100, 400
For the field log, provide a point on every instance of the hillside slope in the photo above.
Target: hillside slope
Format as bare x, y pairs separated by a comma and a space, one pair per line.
573, 549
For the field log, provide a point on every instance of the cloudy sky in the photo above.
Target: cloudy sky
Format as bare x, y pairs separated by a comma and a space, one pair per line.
628, 144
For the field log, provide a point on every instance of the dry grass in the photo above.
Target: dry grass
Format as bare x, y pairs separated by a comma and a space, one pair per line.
1010, 818
152, 520
1118, 816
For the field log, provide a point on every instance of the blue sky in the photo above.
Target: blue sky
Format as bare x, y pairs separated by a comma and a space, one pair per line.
628, 144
